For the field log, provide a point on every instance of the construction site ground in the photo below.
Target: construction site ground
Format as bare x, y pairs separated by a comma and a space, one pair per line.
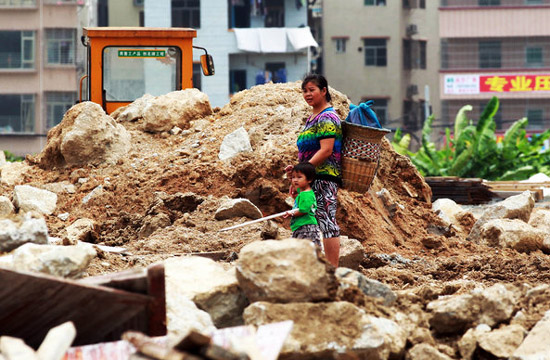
422, 253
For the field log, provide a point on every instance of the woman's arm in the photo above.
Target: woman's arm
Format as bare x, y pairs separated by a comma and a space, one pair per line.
323, 153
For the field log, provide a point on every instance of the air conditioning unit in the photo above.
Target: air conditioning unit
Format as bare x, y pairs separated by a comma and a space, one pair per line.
412, 90
412, 29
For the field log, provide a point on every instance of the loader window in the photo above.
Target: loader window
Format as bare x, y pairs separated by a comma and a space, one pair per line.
130, 72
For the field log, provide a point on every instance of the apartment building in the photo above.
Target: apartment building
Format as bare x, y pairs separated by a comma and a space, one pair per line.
496, 48
38, 70
252, 41
387, 51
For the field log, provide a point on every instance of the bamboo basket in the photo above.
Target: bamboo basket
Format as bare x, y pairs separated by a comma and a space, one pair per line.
360, 155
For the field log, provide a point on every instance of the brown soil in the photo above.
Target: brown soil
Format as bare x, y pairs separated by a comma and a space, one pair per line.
152, 184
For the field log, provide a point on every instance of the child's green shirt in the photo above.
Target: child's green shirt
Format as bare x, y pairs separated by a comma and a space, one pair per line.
306, 203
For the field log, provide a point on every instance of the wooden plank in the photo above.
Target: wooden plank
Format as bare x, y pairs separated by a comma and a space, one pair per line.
31, 304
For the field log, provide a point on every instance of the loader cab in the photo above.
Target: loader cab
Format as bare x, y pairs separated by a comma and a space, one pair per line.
124, 64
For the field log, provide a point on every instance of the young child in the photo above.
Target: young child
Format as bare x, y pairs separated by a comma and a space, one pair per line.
303, 223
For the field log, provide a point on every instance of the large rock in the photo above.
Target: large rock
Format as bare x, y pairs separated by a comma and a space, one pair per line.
502, 342
514, 234
177, 108
233, 144
28, 198
86, 135
321, 330
133, 111
13, 173
373, 288
536, 344
232, 208
457, 313
182, 315
425, 352
29, 229
207, 283
284, 271
81, 230
515, 207
352, 253
467, 345
6, 206
62, 261
452, 213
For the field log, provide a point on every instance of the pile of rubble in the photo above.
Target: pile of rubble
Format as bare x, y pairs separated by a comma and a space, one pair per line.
154, 182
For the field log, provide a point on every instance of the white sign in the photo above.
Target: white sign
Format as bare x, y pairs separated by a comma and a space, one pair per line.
461, 84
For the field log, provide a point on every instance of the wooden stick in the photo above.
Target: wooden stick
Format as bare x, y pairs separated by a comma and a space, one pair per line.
255, 221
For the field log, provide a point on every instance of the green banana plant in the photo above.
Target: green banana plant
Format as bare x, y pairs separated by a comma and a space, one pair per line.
473, 150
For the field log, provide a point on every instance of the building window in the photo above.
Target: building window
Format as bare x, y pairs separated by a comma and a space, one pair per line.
237, 81
197, 76
274, 13
375, 52
57, 103
411, 4
17, 113
533, 57
414, 54
489, 54
277, 71
186, 13
60, 46
375, 2
17, 49
239, 14
489, 2
102, 13
340, 44
535, 119
533, 2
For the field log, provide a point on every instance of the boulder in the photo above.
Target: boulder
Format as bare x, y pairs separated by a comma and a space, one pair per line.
232, 208
6, 206
322, 330
515, 207
467, 344
182, 315
86, 135
284, 271
233, 144
133, 111
352, 253
535, 345
177, 108
13, 173
501, 343
28, 198
425, 352
348, 277
28, 229
514, 234
457, 313
210, 286
81, 230
63, 261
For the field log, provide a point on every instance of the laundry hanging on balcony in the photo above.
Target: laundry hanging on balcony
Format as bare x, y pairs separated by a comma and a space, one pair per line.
274, 40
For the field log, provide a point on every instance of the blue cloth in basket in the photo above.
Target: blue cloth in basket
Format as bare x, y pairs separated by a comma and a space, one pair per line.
362, 114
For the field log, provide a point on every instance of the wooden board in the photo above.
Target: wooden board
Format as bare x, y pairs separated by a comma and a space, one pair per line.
31, 304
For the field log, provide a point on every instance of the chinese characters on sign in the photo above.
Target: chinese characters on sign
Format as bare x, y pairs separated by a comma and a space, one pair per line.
475, 84
141, 53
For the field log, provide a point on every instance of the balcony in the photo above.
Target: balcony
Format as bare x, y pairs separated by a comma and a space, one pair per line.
492, 3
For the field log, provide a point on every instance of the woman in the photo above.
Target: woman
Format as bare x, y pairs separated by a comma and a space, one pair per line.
320, 143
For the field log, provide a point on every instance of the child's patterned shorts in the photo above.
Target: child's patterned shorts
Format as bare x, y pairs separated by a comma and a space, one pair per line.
311, 232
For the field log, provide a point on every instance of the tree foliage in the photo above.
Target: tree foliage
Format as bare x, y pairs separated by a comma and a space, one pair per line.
472, 150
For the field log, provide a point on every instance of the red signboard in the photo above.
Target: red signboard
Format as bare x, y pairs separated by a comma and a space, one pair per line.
514, 83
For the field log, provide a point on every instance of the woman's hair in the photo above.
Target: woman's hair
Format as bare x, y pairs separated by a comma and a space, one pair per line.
320, 81
307, 169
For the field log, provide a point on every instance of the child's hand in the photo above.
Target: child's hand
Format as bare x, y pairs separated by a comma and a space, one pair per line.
292, 191
289, 213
